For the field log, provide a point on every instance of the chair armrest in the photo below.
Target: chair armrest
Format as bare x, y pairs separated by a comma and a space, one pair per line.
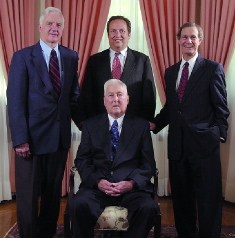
73, 170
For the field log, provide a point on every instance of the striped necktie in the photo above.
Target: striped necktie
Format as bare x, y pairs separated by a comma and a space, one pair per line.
183, 81
54, 73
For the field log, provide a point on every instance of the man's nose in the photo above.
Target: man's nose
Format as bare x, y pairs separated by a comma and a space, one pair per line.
115, 97
54, 27
188, 40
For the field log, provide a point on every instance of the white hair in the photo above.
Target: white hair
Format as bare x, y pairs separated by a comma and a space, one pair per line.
113, 82
48, 10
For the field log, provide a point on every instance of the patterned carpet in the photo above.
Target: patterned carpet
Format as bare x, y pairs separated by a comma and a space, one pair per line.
167, 232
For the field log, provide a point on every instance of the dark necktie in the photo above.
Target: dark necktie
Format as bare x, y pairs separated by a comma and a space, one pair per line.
116, 67
183, 81
54, 72
114, 138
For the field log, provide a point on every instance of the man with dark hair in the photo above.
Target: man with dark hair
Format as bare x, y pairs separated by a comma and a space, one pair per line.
196, 112
134, 70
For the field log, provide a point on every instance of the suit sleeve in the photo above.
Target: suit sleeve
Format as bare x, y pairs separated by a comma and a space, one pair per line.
75, 93
147, 166
84, 160
86, 93
17, 101
149, 91
162, 118
219, 99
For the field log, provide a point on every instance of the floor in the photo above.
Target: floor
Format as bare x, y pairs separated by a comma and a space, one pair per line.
8, 213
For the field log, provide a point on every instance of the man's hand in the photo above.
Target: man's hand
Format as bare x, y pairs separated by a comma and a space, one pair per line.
152, 126
115, 189
23, 150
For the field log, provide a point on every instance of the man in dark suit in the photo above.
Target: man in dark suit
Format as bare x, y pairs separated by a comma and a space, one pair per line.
136, 73
197, 119
40, 119
115, 174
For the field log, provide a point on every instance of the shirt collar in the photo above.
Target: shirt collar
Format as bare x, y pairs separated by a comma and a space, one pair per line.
119, 120
191, 61
46, 49
123, 52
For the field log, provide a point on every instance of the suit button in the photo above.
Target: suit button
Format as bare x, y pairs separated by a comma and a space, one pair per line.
179, 112
111, 172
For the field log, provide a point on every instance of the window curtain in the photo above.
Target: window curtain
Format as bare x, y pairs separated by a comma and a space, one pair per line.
218, 21
228, 149
162, 19
16, 31
5, 186
84, 25
16, 26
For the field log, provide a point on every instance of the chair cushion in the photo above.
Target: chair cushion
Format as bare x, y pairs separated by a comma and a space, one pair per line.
113, 218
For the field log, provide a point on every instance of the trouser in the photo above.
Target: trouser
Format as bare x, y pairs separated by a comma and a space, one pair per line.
38, 191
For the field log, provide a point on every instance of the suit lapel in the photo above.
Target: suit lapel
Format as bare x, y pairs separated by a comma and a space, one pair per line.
101, 127
172, 78
41, 67
129, 66
126, 136
106, 64
64, 66
194, 77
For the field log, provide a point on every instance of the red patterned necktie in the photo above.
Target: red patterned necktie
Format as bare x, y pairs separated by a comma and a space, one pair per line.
54, 72
116, 67
183, 81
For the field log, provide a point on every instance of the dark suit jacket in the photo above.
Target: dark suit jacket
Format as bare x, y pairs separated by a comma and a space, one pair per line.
137, 75
134, 159
201, 119
35, 116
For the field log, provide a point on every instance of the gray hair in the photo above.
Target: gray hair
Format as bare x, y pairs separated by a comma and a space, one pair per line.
113, 82
48, 10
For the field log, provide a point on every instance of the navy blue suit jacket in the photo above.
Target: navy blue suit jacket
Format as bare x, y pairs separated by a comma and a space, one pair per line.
201, 119
35, 115
137, 75
134, 159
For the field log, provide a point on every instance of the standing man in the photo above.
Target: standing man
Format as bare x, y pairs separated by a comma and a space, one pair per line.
42, 97
113, 170
120, 62
196, 111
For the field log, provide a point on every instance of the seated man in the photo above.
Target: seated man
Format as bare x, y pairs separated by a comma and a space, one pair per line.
115, 170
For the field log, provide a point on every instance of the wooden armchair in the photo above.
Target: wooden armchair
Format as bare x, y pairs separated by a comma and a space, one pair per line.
113, 218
